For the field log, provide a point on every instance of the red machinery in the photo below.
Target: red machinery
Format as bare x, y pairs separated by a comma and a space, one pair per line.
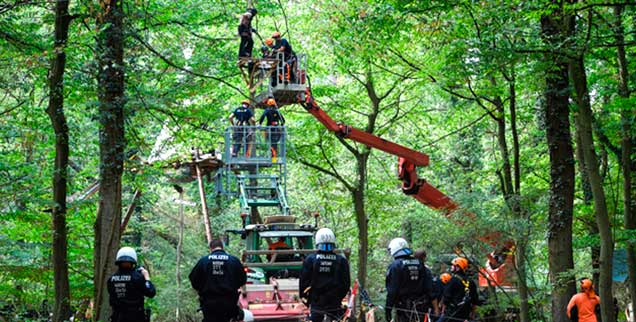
495, 272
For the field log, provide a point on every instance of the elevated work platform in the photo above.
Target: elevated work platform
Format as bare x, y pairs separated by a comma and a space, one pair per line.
272, 77
254, 167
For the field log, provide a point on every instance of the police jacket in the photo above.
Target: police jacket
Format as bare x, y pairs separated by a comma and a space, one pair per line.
127, 288
326, 274
407, 279
460, 295
218, 275
242, 115
273, 116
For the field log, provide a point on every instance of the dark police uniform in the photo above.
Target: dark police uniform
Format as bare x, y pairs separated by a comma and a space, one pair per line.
274, 118
217, 278
408, 286
242, 116
327, 276
459, 297
126, 289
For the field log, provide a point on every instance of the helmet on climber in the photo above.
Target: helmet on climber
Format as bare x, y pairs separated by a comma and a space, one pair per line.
460, 263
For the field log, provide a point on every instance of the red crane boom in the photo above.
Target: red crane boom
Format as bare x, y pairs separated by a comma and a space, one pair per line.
494, 273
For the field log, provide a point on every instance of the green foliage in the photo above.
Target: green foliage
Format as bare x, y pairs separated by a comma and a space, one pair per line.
438, 66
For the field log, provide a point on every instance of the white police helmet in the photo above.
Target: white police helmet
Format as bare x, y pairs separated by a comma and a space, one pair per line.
396, 245
126, 254
325, 236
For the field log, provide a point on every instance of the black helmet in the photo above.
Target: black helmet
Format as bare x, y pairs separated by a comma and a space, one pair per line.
252, 11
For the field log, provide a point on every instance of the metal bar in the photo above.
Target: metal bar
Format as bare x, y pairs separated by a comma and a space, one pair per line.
376, 142
286, 264
373, 141
290, 251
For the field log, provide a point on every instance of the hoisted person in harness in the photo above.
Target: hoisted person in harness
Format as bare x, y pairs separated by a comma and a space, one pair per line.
408, 284
241, 117
460, 298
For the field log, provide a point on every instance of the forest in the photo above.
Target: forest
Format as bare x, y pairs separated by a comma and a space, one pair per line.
524, 109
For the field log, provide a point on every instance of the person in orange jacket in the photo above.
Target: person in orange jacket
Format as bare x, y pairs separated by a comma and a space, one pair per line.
583, 306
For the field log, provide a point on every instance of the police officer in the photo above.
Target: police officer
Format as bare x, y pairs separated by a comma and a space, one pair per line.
239, 118
127, 288
217, 278
408, 284
275, 120
324, 279
460, 298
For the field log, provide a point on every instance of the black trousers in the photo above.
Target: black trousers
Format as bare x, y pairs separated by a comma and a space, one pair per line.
219, 310
128, 315
245, 48
318, 314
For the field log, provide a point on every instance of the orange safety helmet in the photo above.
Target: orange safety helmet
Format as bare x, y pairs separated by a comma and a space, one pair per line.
276, 34
445, 277
269, 41
586, 284
271, 102
460, 262
246, 102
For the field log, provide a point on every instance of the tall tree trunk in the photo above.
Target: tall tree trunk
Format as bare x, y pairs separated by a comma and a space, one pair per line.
110, 51
179, 250
588, 198
554, 31
515, 204
363, 234
358, 195
55, 110
584, 125
627, 116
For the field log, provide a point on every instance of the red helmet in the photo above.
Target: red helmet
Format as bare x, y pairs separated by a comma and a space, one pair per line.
276, 34
269, 41
445, 277
271, 102
460, 262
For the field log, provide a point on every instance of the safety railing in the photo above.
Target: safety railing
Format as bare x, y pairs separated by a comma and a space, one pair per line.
262, 145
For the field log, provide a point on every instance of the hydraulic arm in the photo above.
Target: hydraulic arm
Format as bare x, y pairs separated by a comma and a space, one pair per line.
418, 188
